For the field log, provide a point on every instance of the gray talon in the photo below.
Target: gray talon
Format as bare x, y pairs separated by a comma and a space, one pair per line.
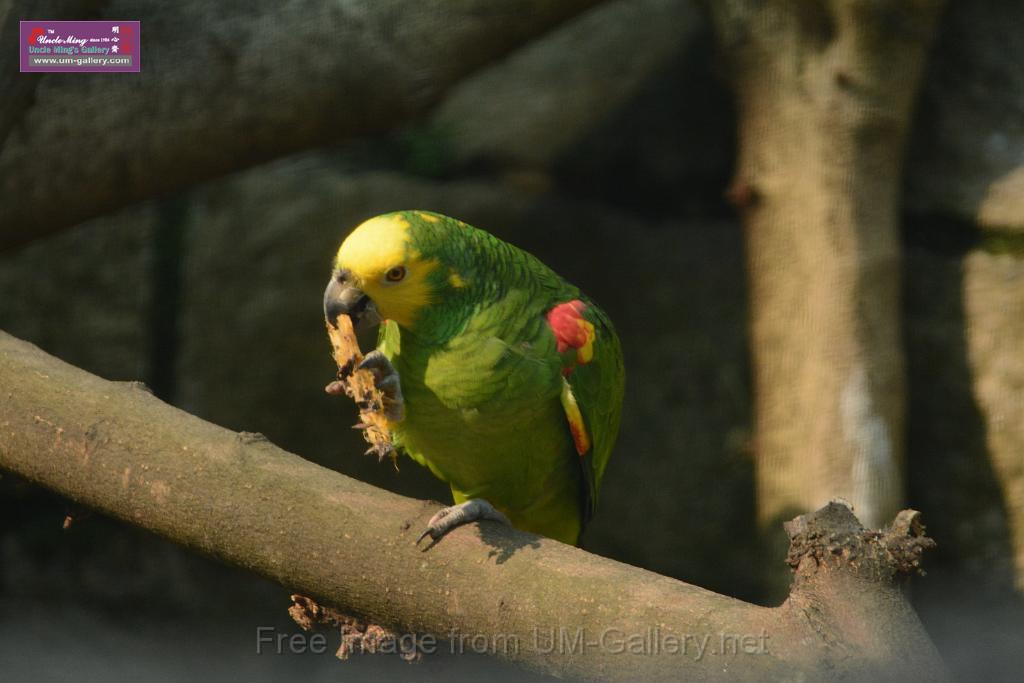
472, 510
386, 378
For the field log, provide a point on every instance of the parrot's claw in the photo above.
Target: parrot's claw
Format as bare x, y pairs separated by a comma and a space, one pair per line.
387, 381
448, 518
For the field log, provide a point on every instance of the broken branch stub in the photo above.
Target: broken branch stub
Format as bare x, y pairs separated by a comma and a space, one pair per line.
833, 538
845, 593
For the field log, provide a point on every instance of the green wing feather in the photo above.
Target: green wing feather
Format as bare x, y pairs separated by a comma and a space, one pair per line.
598, 387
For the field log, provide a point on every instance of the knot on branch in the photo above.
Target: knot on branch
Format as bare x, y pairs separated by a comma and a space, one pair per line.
357, 635
742, 194
833, 538
251, 438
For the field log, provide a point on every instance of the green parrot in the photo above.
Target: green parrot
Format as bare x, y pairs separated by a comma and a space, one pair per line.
498, 375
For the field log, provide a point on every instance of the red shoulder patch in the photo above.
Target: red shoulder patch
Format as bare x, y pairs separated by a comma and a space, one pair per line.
572, 330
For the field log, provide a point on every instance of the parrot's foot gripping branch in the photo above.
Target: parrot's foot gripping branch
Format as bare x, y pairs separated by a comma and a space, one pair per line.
472, 510
386, 379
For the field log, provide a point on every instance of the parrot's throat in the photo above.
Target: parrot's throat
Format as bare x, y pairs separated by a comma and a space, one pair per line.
436, 323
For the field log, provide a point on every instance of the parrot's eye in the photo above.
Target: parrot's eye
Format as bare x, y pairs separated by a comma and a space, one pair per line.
396, 274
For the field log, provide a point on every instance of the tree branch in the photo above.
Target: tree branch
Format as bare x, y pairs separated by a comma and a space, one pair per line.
222, 90
115, 447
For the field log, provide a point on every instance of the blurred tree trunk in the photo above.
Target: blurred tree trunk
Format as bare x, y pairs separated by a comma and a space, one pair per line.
994, 309
824, 92
965, 302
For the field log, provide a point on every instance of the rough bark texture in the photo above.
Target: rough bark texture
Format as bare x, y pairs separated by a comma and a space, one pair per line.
824, 93
237, 497
227, 85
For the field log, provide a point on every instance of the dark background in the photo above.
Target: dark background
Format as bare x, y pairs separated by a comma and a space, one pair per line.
603, 147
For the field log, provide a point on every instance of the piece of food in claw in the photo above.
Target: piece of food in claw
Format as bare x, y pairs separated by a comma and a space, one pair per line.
360, 387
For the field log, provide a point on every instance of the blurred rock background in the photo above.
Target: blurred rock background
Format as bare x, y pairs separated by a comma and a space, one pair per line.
603, 147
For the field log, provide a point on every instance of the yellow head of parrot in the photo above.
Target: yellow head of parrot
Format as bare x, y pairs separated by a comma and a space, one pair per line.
378, 269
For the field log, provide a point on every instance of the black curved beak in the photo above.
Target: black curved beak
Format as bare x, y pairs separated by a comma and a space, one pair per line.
342, 298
